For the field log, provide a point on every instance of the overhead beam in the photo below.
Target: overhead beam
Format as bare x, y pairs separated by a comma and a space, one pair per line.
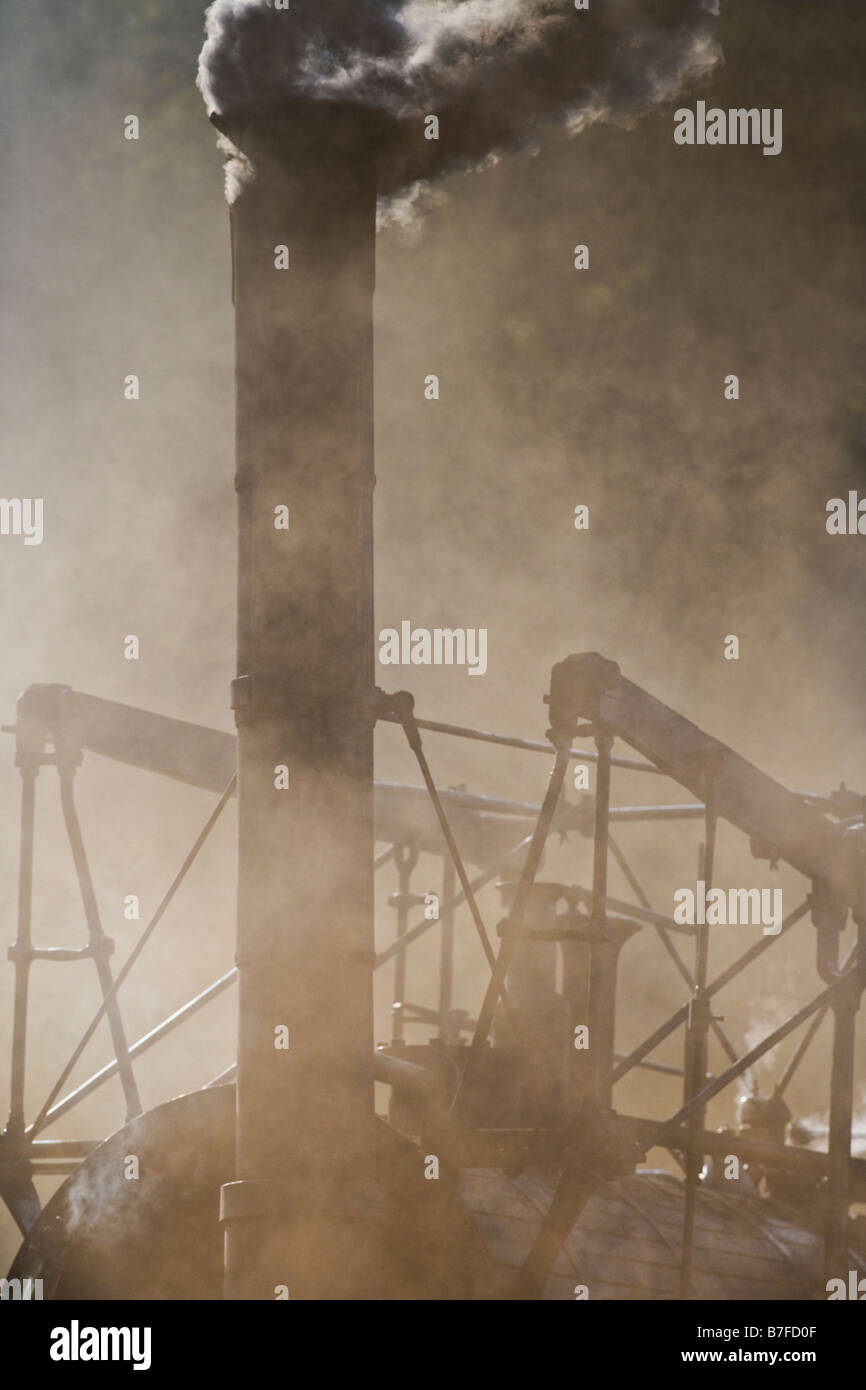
588, 686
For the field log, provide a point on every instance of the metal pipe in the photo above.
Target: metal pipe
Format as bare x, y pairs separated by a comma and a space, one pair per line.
640, 914
140, 1045
406, 1076
661, 1067
62, 1148
391, 1071
528, 745
554, 1148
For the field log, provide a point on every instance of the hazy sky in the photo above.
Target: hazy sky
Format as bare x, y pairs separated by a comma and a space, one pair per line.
558, 387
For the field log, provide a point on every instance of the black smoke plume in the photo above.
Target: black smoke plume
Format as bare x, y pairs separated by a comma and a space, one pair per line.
494, 72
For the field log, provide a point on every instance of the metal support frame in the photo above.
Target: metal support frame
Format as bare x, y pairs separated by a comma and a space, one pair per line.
99, 945
41, 720
513, 925
601, 1140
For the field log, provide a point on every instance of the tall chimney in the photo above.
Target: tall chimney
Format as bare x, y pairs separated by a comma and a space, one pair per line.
296, 1218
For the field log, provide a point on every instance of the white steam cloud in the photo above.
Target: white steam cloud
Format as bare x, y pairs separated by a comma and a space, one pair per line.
494, 72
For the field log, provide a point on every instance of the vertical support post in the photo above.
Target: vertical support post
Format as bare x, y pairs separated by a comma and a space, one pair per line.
405, 857
829, 915
446, 957
845, 1008
601, 1006
697, 1033
18, 1190
604, 744
28, 764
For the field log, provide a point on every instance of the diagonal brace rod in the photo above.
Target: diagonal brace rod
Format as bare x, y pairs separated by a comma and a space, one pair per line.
97, 941
665, 1029
698, 1102
41, 1118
